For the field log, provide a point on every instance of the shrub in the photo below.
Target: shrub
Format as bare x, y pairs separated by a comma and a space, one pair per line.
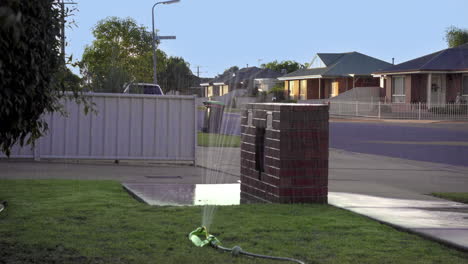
278, 92
32, 70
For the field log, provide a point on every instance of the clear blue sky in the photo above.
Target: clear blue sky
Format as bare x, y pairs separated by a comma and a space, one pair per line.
217, 34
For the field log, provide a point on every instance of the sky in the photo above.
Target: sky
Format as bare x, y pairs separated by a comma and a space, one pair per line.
218, 34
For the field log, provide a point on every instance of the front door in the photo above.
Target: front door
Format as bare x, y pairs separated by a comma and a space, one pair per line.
438, 89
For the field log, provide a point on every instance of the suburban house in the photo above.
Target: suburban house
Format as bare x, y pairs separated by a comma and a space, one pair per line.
250, 78
437, 78
331, 74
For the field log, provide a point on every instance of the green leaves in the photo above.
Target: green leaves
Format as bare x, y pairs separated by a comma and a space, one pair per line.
32, 74
287, 65
456, 36
122, 52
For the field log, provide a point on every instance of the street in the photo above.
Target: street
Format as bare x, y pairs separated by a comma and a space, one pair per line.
445, 143
439, 142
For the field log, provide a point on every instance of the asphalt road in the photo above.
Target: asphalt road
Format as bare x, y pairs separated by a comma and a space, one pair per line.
442, 143
445, 143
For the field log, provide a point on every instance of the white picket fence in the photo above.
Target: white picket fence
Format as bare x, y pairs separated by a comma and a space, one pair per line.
417, 111
125, 127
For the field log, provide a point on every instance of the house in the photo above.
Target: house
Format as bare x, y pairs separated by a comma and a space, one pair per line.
249, 78
436, 78
331, 74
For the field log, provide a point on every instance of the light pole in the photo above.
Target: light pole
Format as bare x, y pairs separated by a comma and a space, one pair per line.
155, 76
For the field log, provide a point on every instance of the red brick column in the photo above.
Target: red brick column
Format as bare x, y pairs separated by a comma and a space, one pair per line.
284, 153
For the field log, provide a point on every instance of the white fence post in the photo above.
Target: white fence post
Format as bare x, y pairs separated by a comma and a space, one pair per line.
37, 150
419, 111
357, 110
379, 109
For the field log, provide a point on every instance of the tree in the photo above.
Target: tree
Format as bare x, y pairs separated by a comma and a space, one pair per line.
177, 75
120, 53
287, 65
231, 69
32, 71
456, 36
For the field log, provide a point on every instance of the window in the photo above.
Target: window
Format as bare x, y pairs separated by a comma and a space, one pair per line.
303, 90
335, 89
465, 85
224, 89
291, 89
210, 91
398, 89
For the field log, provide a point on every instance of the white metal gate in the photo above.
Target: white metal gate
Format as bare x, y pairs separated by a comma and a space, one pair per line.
125, 127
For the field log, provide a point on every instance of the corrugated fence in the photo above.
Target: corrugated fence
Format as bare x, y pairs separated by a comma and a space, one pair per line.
124, 127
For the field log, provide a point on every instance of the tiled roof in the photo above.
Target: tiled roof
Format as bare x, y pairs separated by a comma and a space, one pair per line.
341, 64
453, 59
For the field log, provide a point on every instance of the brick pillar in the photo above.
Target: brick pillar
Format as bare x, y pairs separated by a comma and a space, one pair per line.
284, 153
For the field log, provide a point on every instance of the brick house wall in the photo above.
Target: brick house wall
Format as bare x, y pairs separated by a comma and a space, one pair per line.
454, 86
284, 153
419, 88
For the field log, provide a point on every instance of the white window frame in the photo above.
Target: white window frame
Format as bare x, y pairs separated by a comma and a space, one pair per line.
393, 89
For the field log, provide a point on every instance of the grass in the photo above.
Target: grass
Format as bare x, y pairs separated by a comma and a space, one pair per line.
457, 197
218, 140
63, 221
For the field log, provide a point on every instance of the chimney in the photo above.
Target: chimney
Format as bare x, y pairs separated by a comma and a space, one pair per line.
393, 61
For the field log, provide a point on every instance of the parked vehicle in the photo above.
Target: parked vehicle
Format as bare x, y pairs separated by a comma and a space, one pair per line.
143, 88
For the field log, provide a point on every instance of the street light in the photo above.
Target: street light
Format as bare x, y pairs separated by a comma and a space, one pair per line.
155, 76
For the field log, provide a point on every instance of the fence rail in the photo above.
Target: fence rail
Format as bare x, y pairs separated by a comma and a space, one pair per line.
124, 127
418, 111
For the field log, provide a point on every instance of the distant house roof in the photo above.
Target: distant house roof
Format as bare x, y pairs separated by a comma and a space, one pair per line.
453, 59
340, 65
242, 75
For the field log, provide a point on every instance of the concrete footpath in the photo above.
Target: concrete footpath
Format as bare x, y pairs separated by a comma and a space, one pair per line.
437, 219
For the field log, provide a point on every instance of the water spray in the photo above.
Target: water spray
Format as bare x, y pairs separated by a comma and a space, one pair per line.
3, 205
200, 238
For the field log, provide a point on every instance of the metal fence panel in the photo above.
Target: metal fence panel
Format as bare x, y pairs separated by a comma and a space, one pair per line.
123, 127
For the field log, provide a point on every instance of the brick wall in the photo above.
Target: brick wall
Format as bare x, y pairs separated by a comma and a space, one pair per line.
284, 153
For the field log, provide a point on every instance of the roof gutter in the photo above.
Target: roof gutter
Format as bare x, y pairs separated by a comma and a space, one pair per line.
377, 74
300, 77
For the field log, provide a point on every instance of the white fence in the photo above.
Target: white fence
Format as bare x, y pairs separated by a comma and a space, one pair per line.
418, 111
125, 127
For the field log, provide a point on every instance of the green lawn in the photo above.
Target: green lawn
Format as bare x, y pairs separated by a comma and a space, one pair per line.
218, 140
59, 221
457, 197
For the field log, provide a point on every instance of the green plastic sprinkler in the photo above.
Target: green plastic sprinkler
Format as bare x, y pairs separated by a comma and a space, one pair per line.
200, 238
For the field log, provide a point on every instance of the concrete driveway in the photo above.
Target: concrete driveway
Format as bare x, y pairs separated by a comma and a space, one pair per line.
135, 172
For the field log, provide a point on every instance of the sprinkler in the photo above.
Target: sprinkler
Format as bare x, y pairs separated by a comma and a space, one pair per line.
200, 238
3, 205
